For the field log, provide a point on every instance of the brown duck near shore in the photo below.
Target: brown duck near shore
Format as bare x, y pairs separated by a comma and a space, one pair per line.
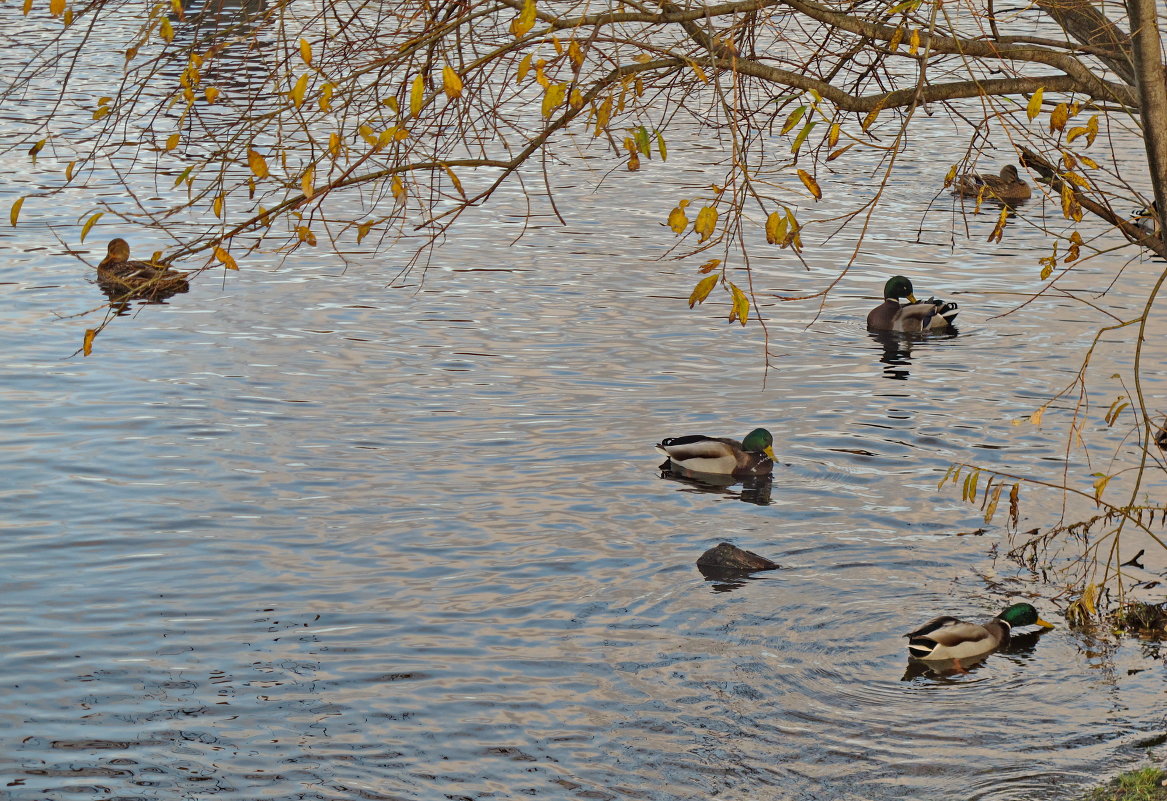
1006, 187
118, 275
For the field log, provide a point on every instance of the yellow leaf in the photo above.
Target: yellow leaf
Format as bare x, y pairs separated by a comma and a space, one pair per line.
326, 98
741, 305
453, 179
56, 7
992, 507
334, 145
603, 114
172, 141
836, 153
306, 51
1092, 127
1034, 107
297, 93
217, 205
999, 230
306, 182
557, 45
642, 58
69, 171
575, 54
27, 7
1035, 418
540, 78
166, 31
451, 83
89, 224
700, 73
833, 135
1059, 117
793, 119
897, 36
211, 94
523, 23
366, 132
397, 188
363, 230
709, 266
1100, 482
524, 68
677, 219
914, 43
706, 223
391, 103
98, 113
225, 258
257, 163
775, 228
15, 211
416, 94
870, 118
810, 183
702, 290
802, 135
660, 146
304, 233
37, 148
950, 176
87, 342
553, 98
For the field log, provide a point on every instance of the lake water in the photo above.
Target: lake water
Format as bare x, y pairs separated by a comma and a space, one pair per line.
314, 532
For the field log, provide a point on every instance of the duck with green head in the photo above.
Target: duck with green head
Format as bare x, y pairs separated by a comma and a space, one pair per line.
947, 637
697, 453
911, 317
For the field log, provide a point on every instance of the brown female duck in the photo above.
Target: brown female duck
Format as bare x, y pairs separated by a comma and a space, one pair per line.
119, 275
1006, 187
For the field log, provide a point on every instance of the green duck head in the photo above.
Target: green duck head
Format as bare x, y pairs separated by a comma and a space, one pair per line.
898, 287
759, 441
1023, 615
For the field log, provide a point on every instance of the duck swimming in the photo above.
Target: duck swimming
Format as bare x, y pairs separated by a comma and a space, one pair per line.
117, 274
911, 317
1006, 187
753, 456
947, 637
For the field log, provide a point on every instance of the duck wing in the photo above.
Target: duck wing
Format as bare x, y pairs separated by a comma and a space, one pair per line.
698, 446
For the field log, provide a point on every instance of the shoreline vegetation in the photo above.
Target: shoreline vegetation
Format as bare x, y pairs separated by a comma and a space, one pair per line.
1142, 784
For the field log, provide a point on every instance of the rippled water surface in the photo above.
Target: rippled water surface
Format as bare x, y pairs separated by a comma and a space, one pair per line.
307, 532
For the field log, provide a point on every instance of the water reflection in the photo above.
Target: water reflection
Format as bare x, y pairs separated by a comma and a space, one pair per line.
120, 296
755, 489
897, 349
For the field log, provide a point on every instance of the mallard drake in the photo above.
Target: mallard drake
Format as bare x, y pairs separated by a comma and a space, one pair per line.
913, 316
948, 637
697, 453
1147, 218
1006, 187
138, 278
